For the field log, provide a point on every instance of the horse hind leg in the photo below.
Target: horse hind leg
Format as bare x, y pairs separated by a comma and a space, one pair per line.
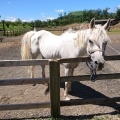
68, 72
43, 69
43, 74
31, 71
32, 68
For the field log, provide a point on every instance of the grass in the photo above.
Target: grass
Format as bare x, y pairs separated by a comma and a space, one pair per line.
115, 30
107, 117
102, 117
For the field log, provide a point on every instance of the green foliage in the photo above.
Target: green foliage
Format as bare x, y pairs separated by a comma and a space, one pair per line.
118, 14
17, 25
82, 16
63, 19
77, 13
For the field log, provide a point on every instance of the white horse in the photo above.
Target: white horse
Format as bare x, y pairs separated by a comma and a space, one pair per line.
67, 45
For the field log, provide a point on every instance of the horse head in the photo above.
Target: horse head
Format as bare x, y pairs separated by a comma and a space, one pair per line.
97, 42
100, 31
96, 55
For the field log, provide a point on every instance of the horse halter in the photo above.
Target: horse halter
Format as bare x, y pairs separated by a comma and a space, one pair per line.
92, 51
93, 74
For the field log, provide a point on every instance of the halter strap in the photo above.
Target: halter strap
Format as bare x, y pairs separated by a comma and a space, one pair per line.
92, 51
93, 75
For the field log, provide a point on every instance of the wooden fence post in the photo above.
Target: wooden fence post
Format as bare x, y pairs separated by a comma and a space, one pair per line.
54, 67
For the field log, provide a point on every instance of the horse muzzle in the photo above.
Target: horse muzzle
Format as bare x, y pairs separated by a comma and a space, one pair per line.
100, 66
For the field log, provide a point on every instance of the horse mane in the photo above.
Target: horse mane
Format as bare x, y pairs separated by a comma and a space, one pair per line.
81, 40
70, 30
101, 31
96, 33
80, 37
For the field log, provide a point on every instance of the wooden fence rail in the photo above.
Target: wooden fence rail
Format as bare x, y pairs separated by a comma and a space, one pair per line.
24, 106
23, 81
54, 80
12, 63
95, 101
15, 32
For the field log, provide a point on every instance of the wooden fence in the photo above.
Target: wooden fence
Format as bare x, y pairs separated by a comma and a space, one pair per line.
55, 79
15, 32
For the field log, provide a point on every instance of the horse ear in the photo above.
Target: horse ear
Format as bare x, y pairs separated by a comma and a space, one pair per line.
81, 26
106, 26
92, 23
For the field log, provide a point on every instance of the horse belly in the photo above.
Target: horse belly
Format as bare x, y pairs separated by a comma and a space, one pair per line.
50, 51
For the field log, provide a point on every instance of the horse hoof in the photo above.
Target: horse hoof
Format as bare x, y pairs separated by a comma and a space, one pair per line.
34, 84
67, 99
46, 84
70, 92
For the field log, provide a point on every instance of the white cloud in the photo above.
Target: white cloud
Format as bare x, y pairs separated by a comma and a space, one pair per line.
12, 19
29, 20
118, 6
43, 16
9, 2
59, 10
50, 18
42, 13
114, 9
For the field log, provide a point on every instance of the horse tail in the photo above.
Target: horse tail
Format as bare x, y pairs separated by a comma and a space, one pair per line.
25, 45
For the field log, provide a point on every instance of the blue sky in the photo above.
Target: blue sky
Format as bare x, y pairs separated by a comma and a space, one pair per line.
28, 10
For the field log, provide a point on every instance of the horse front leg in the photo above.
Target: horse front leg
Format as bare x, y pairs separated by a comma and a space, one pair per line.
32, 68
31, 71
68, 72
43, 74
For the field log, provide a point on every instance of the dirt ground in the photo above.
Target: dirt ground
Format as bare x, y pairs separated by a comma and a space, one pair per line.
10, 50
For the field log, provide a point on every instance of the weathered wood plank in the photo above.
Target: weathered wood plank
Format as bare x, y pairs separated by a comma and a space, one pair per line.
85, 58
24, 106
112, 57
11, 63
23, 81
54, 67
94, 101
87, 77
6, 63
72, 60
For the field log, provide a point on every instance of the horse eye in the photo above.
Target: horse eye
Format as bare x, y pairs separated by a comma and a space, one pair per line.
90, 41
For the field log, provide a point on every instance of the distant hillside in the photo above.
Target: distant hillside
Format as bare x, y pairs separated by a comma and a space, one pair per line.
77, 13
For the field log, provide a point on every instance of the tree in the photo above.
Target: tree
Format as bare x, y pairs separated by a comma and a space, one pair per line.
105, 13
117, 14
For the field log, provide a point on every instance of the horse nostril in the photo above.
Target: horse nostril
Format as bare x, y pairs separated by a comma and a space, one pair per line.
101, 65
96, 62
